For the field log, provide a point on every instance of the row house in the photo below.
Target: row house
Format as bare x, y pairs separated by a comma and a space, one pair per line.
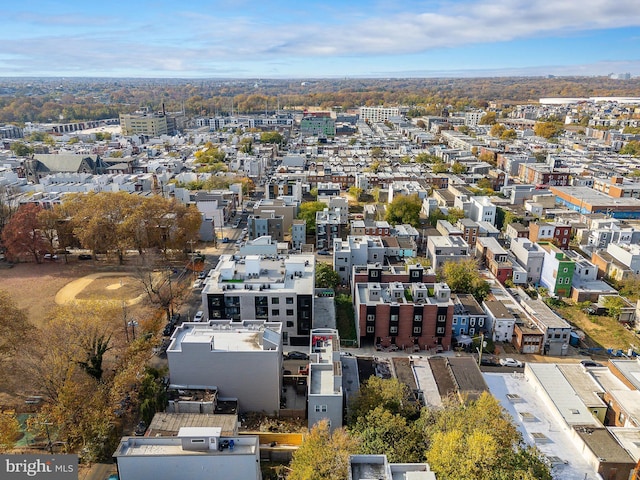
470, 230
516, 230
495, 258
468, 316
557, 233
408, 315
379, 228
500, 320
555, 329
530, 256
557, 270
379, 273
539, 174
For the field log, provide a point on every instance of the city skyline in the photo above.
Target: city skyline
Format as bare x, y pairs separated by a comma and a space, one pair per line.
283, 39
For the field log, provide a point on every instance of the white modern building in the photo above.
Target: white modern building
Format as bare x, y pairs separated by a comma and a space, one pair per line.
241, 360
275, 288
197, 452
530, 256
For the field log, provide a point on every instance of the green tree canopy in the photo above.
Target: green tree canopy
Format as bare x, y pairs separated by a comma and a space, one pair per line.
454, 215
210, 154
272, 137
390, 394
478, 441
614, 305
20, 149
382, 432
308, 211
631, 148
323, 455
458, 168
463, 277
547, 129
497, 130
326, 277
404, 209
488, 118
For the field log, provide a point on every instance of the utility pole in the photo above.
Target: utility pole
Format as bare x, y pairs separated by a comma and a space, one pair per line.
124, 318
480, 349
170, 297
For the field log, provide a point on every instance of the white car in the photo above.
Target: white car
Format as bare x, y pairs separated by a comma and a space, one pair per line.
198, 316
197, 284
510, 362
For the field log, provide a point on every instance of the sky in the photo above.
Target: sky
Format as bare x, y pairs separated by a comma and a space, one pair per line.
314, 39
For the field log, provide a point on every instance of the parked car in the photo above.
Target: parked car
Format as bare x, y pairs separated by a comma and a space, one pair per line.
590, 363
323, 252
49, 256
297, 356
510, 362
198, 316
168, 329
197, 284
489, 362
84, 256
225, 240
203, 274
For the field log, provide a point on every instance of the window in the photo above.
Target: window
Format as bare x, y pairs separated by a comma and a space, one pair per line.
341, 269
393, 329
454, 322
472, 322
371, 317
481, 322
275, 301
417, 318
275, 312
417, 330
371, 329
290, 312
289, 323
393, 318
289, 300
442, 318
440, 330
374, 273
565, 270
320, 408
472, 331
463, 321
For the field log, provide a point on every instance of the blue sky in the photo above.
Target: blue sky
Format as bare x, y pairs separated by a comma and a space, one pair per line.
310, 39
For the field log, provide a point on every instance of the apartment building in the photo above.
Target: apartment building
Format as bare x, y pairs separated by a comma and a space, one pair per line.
267, 223
241, 360
378, 114
330, 224
265, 287
143, 123
298, 234
407, 315
356, 250
500, 320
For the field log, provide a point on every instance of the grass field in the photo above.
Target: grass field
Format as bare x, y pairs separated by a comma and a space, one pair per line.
603, 331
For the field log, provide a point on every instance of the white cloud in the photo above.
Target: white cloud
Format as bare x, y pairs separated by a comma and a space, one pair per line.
194, 41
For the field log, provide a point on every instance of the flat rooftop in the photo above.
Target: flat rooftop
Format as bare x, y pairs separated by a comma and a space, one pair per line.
557, 442
172, 446
221, 337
